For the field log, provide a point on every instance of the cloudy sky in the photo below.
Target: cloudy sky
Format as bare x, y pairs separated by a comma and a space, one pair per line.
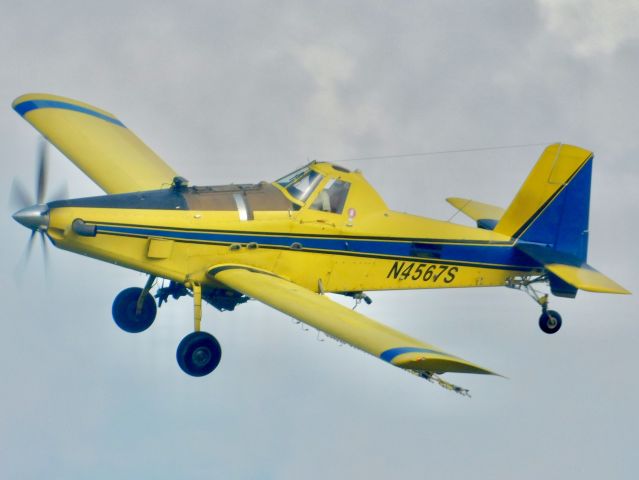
243, 91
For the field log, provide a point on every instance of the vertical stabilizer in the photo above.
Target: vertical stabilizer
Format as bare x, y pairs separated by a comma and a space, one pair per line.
552, 206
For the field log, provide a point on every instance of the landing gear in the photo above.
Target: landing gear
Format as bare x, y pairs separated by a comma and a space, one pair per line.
134, 310
198, 354
550, 320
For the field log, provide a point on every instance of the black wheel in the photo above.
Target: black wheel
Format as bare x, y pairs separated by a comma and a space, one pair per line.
550, 321
198, 354
124, 310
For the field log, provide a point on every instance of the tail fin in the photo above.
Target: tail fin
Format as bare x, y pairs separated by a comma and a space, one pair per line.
549, 221
552, 205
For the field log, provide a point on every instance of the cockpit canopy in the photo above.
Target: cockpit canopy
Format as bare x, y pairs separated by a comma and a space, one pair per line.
304, 182
315, 188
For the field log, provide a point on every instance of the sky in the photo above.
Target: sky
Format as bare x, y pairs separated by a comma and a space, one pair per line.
245, 91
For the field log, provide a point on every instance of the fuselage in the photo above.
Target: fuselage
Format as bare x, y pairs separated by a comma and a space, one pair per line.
183, 232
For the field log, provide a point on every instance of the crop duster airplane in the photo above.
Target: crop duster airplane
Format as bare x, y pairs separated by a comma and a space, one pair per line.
319, 229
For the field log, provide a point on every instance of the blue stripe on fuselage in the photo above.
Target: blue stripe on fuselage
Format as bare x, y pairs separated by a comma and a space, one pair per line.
502, 256
29, 105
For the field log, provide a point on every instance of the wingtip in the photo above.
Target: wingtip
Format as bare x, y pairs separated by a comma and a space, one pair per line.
25, 97
429, 360
20, 99
38, 100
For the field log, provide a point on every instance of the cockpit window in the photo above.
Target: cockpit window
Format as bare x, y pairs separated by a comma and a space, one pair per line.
333, 197
302, 188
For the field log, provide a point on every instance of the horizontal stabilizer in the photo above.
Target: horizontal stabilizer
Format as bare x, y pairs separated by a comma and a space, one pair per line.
571, 269
586, 278
484, 214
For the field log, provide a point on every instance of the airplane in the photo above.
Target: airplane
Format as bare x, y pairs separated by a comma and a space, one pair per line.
319, 229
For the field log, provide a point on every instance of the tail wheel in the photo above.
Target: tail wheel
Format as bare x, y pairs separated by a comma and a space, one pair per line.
125, 311
198, 354
550, 321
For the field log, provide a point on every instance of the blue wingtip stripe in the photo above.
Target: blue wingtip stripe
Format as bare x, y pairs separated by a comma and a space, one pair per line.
389, 355
27, 106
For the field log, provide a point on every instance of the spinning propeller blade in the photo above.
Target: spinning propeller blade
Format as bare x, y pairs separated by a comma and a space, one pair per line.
19, 198
27, 252
61, 193
43, 170
35, 217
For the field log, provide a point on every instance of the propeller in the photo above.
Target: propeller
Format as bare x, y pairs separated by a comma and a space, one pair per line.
32, 212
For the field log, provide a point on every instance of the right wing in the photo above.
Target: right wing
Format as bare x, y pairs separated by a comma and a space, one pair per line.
344, 324
97, 142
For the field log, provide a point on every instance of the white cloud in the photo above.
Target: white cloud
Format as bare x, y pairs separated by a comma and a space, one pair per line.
592, 27
331, 120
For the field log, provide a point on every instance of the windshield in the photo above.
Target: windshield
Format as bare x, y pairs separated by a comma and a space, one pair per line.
304, 186
286, 180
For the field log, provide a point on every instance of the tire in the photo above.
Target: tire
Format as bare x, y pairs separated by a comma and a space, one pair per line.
550, 322
198, 354
124, 307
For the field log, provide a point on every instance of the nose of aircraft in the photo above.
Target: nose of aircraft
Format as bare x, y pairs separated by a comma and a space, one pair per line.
35, 217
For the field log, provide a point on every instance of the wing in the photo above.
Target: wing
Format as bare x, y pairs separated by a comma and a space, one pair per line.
97, 142
342, 323
484, 214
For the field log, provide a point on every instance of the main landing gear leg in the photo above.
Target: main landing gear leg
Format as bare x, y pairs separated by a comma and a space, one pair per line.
550, 320
198, 353
145, 291
197, 306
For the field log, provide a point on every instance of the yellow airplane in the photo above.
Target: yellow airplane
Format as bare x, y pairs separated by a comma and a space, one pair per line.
320, 229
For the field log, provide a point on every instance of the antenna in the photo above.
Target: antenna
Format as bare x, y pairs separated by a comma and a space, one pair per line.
442, 152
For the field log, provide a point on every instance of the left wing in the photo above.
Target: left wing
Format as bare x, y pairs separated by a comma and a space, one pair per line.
344, 324
97, 142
